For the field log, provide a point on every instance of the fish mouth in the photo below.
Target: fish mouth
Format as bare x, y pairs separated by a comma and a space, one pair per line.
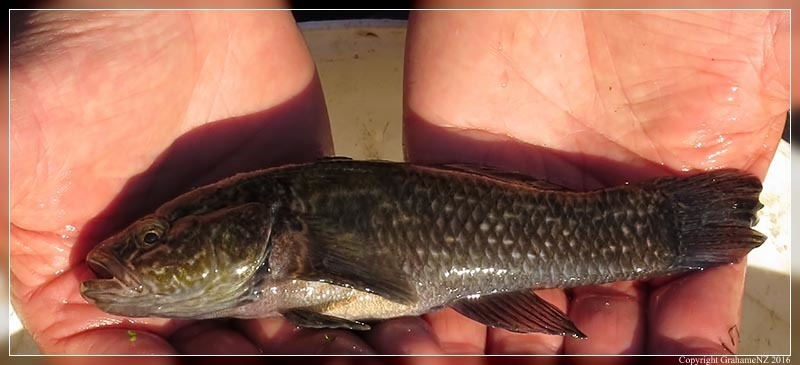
114, 281
100, 270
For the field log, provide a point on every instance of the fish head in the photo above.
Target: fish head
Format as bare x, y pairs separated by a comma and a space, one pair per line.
192, 266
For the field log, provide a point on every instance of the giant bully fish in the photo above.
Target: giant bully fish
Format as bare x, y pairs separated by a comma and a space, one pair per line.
339, 243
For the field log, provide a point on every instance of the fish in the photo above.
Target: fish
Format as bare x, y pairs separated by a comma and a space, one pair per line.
342, 243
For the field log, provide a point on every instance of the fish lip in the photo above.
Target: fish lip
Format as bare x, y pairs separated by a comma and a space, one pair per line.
111, 276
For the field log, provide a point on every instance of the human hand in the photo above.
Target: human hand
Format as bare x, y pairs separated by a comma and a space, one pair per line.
114, 113
592, 99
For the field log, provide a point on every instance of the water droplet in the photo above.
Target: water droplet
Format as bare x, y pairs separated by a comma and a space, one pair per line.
504, 84
64, 237
726, 94
64, 301
500, 46
58, 272
70, 228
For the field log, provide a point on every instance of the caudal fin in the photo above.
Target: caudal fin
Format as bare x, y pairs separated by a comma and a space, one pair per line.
714, 212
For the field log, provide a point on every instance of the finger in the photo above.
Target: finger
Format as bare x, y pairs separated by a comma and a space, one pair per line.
447, 360
698, 313
104, 360
505, 342
611, 315
212, 337
116, 341
57, 315
275, 335
405, 336
456, 333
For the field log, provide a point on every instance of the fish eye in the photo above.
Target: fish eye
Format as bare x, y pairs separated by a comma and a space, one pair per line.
150, 231
150, 237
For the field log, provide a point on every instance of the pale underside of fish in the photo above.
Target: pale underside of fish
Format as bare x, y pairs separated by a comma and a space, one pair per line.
339, 243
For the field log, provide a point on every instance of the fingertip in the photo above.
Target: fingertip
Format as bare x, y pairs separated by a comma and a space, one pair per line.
406, 336
698, 313
326, 342
212, 337
505, 342
116, 342
276, 335
268, 333
611, 315
457, 334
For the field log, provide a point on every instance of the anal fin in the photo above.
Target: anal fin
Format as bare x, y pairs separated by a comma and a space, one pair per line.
518, 311
311, 319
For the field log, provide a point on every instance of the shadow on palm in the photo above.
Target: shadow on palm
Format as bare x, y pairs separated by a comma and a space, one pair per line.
281, 135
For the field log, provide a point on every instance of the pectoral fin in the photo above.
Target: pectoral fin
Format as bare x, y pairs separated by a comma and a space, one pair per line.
310, 319
519, 311
321, 252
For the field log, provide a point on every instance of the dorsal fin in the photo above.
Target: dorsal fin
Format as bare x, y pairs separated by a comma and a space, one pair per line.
334, 158
508, 176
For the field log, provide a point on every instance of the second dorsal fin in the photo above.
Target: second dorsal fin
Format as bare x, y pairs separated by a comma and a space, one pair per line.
509, 176
334, 158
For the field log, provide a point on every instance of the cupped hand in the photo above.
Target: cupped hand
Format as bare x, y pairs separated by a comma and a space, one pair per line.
114, 113
592, 99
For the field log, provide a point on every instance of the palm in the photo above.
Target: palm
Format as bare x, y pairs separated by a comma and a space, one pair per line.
666, 93
110, 143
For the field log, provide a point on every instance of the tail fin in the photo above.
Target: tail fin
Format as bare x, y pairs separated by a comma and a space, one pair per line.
714, 212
